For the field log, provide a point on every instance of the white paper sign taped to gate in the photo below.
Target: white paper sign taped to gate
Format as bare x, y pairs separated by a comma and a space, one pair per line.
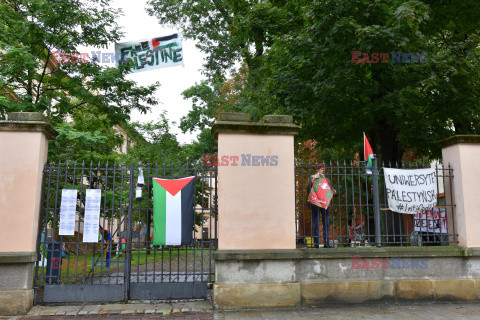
68, 206
431, 221
410, 190
92, 215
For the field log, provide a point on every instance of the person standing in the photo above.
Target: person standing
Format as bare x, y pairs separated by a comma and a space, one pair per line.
319, 193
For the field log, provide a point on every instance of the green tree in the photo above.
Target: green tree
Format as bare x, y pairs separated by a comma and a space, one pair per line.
298, 56
205, 103
399, 105
31, 79
227, 30
230, 33
155, 145
89, 137
210, 99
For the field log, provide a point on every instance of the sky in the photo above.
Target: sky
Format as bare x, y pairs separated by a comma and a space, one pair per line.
138, 25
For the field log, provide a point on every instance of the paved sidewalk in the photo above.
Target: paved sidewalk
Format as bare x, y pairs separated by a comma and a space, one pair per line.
203, 310
161, 308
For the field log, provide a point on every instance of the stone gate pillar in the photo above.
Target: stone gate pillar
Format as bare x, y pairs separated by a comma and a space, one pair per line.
256, 203
23, 152
462, 153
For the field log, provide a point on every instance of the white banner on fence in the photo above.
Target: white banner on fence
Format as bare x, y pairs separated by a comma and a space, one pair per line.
92, 215
150, 54
410, 190
68, 205
431, 221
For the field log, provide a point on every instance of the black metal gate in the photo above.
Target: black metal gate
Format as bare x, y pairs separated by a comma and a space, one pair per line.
359, 212
124, 264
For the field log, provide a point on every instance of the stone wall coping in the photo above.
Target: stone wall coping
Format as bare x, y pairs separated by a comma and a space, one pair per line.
27, 122
458, 139
17, 257
335, 253
268, 125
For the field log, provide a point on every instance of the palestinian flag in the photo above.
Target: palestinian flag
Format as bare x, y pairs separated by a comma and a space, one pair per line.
173, 211
368, 154
321, 193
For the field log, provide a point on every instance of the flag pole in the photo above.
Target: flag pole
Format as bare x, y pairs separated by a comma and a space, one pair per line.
364, 146
376, 204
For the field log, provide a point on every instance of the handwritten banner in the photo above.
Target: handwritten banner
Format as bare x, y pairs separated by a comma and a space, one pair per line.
411, 190
150, 54
431, 221
68, 206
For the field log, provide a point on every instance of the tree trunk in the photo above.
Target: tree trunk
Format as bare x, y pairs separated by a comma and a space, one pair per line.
385, 145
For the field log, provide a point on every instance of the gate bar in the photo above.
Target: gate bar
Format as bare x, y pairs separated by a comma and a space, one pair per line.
376, 204
128, 253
